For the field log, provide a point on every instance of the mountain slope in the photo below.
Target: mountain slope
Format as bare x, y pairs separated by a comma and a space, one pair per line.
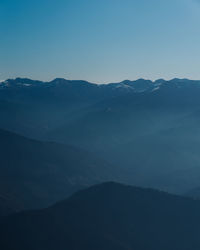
37, 174
107, 216
8, 205
194, 193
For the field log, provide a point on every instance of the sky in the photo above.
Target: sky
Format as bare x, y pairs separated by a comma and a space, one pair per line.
100, 40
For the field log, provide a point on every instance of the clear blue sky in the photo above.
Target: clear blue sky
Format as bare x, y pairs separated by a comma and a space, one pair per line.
100, 40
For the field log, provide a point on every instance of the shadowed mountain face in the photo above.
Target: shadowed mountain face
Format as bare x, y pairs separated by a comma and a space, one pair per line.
109, 216
150, 129
8, 205
194, 193
36, 174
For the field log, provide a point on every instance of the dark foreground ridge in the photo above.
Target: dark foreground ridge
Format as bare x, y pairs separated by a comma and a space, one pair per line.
109, 216
36, 174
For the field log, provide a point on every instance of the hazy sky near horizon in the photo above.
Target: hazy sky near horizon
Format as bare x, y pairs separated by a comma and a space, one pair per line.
100, 40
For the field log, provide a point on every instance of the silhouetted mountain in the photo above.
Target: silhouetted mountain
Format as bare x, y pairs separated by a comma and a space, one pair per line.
36, 174
109, 216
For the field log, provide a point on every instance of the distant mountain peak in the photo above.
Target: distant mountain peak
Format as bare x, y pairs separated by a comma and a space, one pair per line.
179, 80
127, 86
58, 80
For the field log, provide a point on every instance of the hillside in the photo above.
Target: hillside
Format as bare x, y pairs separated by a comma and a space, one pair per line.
36, 174
109, 216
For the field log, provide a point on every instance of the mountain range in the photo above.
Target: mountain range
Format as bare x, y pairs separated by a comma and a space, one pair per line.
108, 216
148, 129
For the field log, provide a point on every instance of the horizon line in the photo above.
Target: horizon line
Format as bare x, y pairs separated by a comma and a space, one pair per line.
99, 83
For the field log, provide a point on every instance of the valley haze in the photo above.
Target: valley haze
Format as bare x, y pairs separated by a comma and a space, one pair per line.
62, 136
